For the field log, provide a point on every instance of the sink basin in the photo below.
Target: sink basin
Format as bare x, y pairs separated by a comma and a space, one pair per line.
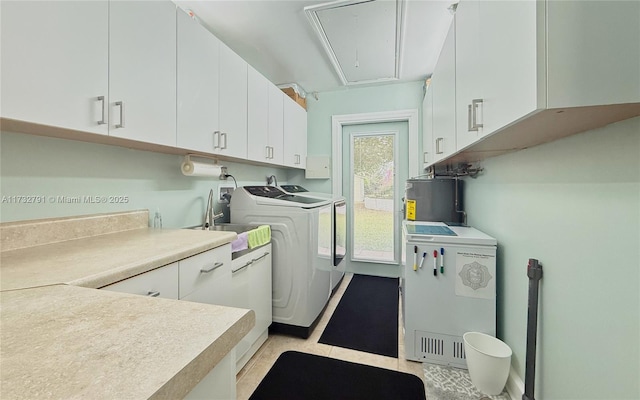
230, 227
227, 227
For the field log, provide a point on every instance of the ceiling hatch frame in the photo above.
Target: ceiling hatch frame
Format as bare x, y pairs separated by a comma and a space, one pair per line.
312, 15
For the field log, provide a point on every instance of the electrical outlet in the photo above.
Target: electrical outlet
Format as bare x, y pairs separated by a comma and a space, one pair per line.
223, 190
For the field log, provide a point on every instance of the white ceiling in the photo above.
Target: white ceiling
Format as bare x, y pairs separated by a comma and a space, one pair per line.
277, 39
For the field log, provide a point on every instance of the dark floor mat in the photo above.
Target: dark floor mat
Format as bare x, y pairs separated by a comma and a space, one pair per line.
366, 318
305, 376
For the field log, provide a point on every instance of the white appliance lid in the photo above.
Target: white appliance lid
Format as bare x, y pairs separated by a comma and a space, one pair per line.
439, 232
271, 195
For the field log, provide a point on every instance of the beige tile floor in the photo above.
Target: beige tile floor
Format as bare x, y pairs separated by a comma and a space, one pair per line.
250, 376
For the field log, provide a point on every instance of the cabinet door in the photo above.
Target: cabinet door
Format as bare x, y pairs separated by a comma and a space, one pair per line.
142, 71
160, 282
295, 134
251, 287
468, 73
258, 116
55, 63
276, 124
233, 104
260, 288
206, 277
427, 128
508, 63
242, 297
198, 64
444, 99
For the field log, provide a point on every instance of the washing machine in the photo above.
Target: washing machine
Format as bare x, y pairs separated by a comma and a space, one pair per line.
338, 226
301, 262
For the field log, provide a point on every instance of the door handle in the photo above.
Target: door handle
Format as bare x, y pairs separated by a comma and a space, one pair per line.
223, 135
243, 267
102, 107
211, 268
474, 106
260, 258
153, 294
121, 105
439, 149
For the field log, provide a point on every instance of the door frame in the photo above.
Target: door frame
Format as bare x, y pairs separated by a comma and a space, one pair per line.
338, 121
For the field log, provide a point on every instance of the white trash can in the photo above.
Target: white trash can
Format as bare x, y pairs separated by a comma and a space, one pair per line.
488, 360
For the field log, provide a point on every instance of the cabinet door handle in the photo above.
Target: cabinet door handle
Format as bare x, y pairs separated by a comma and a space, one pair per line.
270, 153
223, 135
216, 139
260, 258
425, 157
121, 105
243, 267
266, 152
153, 294
439, 149
476, 103
469, 118
102, 107
211, 268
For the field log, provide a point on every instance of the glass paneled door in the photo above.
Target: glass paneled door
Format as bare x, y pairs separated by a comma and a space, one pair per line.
372, 176
372, 196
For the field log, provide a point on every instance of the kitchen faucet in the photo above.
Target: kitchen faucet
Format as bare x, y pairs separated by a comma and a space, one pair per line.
209, 216
272, 179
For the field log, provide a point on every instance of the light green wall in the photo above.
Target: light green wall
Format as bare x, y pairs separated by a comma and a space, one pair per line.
574, 204
354, 100
391, 97
34, 165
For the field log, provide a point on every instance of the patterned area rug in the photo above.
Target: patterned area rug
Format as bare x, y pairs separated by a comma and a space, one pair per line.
448, 383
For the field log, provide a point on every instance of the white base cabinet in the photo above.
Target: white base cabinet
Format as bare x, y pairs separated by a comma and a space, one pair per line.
203, 278
219, 384
251, 287
160, 282
206, 277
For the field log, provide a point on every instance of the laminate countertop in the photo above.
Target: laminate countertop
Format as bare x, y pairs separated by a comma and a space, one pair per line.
62, 338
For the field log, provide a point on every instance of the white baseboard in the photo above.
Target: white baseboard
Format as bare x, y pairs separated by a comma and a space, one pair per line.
515, 385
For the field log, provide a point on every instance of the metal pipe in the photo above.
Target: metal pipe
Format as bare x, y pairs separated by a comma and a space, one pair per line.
534, 272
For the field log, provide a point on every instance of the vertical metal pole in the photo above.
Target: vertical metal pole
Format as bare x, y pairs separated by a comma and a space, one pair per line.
534, 272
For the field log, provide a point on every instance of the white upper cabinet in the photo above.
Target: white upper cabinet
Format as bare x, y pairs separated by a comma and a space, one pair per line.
198, 74
295, 134
443, 87
55, 63
593, 56
232, 139
427, 128
258, 116
276, 124
468, 75
142, 71
529, 72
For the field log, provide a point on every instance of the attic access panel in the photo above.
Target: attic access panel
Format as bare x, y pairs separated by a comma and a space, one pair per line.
363, 39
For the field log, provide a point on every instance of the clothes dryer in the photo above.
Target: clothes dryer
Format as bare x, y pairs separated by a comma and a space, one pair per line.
301, 270
338, 226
